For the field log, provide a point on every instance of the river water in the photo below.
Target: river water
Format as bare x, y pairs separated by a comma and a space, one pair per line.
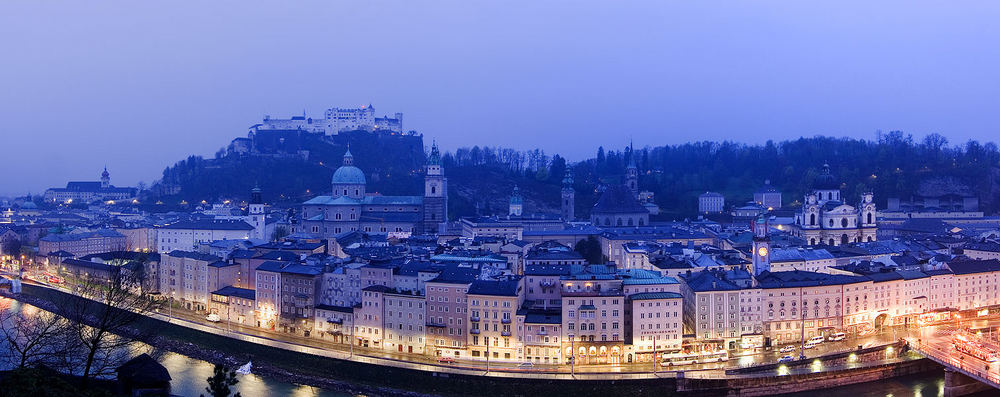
189, 375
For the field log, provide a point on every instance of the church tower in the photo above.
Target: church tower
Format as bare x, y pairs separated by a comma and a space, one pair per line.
435, 193
761, 248
632, 173
105, 179
516, 207
255, 213
568, 197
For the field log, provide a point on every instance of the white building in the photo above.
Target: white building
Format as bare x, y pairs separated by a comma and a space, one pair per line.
711, 202
826, 219
335, 121
186, 235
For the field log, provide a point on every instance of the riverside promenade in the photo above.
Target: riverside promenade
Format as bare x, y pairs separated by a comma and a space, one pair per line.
434, 378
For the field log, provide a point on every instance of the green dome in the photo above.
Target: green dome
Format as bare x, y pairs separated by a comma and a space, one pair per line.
349, 175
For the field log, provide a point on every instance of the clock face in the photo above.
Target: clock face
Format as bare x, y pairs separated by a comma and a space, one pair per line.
762, 251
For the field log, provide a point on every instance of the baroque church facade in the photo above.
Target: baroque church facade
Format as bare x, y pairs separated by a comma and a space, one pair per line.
826, 219
350, 208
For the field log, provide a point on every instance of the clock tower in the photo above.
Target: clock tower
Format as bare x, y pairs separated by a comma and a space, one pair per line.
761, 247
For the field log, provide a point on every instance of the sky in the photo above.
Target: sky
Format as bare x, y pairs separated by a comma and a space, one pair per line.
137, 86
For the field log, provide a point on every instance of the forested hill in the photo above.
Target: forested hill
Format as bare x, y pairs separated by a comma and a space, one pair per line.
291, 167
893, 165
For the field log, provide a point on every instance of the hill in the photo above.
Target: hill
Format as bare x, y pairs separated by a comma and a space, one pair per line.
293, 166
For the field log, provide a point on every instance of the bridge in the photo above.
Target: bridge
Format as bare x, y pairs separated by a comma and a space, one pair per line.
963, 373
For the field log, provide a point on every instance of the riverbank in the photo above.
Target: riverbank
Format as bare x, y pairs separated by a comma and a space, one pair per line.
302, 365
211, 349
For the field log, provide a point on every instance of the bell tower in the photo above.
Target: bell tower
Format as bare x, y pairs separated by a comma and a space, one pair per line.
435, 193
761, 247
632, 173
568, 197
105, 179
256, 216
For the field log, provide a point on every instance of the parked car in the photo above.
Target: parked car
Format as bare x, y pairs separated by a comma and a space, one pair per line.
837, 336
446, 360
785, 359
526, 365
788, 348
213, 317
813, 342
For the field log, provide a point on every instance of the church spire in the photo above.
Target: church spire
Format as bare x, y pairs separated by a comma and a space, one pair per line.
435, 157
348, 157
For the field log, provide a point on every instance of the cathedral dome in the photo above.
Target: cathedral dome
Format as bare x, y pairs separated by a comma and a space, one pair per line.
348, 174
826, 180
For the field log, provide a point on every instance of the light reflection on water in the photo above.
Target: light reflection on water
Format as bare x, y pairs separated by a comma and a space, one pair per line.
188, 375
925, 385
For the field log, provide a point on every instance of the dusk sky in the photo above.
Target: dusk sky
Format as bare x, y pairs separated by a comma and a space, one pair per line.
137, 86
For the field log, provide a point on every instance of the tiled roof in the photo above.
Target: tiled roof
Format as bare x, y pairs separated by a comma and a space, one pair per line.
618, 199
194, 255
236, 292
209, 225
969, 266
654, 295
508, 287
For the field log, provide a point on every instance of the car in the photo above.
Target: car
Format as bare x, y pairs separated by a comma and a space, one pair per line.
681, 361
788, 349
213, 318
525, 365
785, 359
837, 336
816, 340
446, 360
810, 345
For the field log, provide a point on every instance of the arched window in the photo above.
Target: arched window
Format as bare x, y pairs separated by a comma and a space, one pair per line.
869, 238
843, 222
831, 222
607, 221
869, 217
844, 239
433, 189
832, 242
618, 222
630, 221
812, 219
812, 241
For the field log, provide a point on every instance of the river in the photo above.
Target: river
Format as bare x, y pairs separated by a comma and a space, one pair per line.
188, 375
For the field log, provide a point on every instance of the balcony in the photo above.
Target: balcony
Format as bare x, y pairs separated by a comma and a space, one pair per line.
505, 321
474, 331
543, 332
436, 325
474, 319
505, 333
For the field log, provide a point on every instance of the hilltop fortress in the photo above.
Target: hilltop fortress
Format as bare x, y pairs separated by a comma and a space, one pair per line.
334, 121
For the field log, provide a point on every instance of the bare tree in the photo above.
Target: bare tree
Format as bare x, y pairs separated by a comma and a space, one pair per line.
32, 337
105, 320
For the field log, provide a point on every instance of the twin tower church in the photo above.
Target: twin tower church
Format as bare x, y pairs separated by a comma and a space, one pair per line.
349, 208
